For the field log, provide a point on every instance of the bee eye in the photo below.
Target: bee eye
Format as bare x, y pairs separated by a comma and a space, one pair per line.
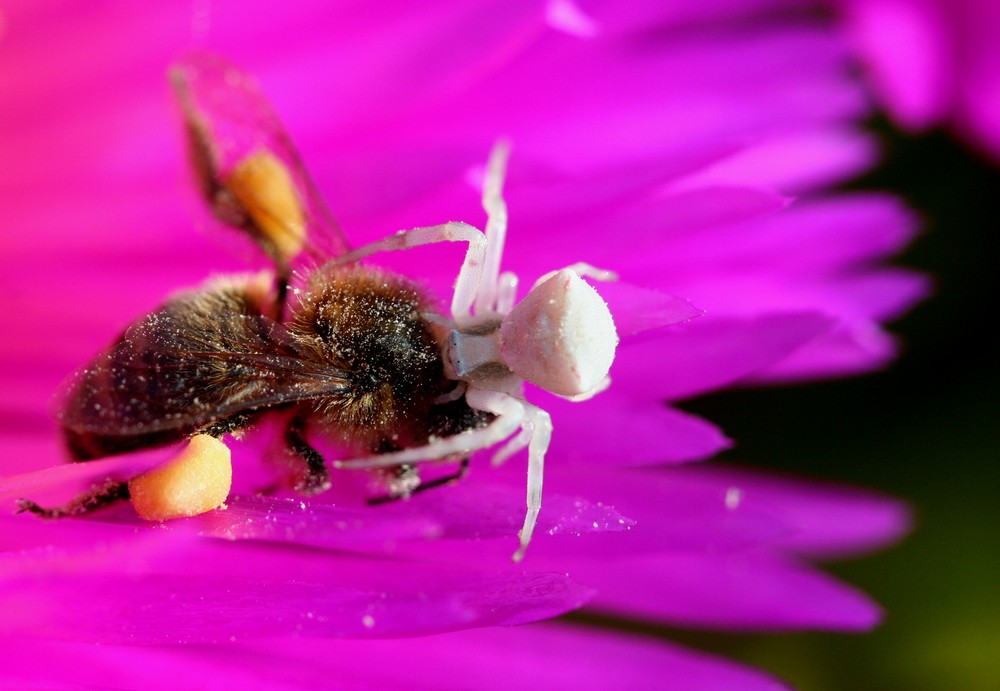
561, 337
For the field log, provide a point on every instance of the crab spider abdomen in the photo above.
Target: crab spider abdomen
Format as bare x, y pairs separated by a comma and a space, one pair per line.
561, 336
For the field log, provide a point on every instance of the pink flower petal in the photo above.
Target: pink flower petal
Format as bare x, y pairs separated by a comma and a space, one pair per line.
724, 509
907, 51
828, 235
614, 429
793, 163
749, 591
546, 655
473, 510
693, 358
637, 309
205, 591
821, 520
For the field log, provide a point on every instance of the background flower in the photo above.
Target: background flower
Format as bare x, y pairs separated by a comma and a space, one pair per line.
684, 147
932, 63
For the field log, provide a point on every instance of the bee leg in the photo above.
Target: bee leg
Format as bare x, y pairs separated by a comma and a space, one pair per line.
463, 470
317, 476
99, 496
226, 425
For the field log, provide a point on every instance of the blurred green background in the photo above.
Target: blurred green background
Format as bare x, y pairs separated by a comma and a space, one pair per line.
927, 429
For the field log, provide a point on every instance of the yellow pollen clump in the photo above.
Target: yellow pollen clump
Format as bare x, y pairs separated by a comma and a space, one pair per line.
195, 481
265, 189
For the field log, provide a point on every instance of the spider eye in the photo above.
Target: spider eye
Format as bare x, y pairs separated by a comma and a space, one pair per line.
561, 336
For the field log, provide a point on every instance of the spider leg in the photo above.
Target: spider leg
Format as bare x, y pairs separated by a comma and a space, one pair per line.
541, 426
536, 433
479, 283
583, 270
469, 276
506, 292
490, 289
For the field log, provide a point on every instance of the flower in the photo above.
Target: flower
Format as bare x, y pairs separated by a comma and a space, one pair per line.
663, 142
932, 63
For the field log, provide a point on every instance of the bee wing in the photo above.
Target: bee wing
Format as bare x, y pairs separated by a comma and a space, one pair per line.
246, 165
198, 360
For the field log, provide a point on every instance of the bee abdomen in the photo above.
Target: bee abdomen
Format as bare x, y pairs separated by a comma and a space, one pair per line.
199, 362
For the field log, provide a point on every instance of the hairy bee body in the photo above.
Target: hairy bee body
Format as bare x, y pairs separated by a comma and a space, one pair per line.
357, 358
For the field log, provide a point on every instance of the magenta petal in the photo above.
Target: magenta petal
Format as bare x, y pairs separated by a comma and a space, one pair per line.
30, 446
906, 49
209, 591
472, 510
28, 535
885, 294
706, 354
651, 230
822, 520
846, 351
674, 510
637, 309
486, 507
547, 656
613, 429
299, 522
809, 238
726, 508
666, 223
750, 591
795, 162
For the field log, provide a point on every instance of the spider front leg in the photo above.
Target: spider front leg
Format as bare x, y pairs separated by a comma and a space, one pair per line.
469, 276
496, 290
509, 416
536, 433
480, 284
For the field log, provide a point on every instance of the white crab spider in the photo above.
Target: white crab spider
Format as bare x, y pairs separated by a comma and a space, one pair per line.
560, 337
